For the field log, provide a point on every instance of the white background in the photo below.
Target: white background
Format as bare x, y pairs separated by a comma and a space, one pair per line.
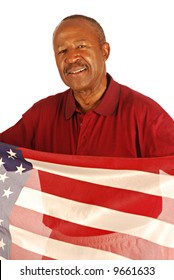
163, 269
140, 33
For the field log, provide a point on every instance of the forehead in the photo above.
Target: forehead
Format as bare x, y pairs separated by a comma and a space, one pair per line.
74, 29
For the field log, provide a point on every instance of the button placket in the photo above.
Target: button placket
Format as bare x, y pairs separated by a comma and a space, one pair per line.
82, 145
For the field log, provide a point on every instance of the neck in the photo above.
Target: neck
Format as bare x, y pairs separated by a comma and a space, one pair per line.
88, 100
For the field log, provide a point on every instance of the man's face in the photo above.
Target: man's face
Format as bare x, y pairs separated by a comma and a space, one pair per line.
79, 56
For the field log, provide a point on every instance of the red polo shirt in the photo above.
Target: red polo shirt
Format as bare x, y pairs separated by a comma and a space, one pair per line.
124, 124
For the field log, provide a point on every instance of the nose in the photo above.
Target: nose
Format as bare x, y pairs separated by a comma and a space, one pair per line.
72, 56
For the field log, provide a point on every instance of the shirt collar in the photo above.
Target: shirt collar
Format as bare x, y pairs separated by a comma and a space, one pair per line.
107, 106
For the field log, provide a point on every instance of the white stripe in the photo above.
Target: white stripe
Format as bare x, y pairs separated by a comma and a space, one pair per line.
150, 183
98, 217
57, 249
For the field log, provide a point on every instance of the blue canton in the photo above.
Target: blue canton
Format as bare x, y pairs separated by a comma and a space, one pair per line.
14, 172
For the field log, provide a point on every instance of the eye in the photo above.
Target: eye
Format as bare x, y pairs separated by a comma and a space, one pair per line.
61, 51
81, 46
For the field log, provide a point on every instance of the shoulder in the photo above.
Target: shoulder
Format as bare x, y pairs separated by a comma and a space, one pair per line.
50, 103
132, 99
52, 99
140, 102
139, 105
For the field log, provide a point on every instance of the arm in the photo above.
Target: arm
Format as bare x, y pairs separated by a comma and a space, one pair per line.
157, 134
19, 135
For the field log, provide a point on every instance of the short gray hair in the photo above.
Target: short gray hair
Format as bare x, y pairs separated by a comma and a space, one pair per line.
96, 25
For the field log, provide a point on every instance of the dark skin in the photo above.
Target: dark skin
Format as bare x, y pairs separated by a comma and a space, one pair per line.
81, 61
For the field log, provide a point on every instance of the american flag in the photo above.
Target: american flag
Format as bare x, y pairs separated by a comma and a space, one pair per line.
68, 207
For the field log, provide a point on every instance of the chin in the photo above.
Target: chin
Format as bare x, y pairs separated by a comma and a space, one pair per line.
80, 86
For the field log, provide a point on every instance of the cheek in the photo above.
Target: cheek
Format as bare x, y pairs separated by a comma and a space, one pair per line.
97, 57
97, 62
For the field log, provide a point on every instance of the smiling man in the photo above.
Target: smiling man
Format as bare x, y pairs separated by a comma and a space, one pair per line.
96, 115
81, 51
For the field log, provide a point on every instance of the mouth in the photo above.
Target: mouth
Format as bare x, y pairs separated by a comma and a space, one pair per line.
74, 71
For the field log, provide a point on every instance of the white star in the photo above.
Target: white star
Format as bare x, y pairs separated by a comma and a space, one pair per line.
2, 244
20, 169
11, 154
3, 177
7, 193
1, 221
1, 162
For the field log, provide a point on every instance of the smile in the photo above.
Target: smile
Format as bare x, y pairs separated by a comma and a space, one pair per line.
76, 71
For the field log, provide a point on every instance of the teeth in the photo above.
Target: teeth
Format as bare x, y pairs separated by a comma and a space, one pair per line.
77, 71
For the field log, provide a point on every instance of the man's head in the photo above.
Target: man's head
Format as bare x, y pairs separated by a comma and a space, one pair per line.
81, 51
97, 27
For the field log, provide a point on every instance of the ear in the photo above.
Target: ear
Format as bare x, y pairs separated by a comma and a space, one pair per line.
106, 50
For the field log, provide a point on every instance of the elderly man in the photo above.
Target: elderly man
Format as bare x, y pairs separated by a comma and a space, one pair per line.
96, 115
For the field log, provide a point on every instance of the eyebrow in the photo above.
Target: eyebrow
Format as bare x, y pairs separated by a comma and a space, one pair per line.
77, 41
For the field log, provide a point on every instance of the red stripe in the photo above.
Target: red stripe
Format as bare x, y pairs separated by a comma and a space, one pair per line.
113, 198
28, 220
33, 181
18, 253
123, 244
43, 224
144, 164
